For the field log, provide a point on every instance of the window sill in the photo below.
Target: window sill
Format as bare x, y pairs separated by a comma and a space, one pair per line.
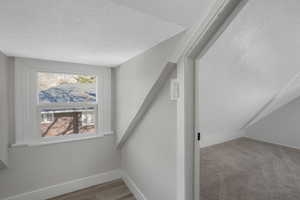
65, 140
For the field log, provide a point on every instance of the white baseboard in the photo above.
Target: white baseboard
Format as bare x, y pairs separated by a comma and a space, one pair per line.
273, 142
67, 187
133, 187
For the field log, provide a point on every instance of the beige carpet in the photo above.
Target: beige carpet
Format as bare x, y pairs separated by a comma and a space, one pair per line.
116, 190
246, 169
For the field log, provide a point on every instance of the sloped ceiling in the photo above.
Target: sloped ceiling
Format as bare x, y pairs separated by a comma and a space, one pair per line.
252, 65
99, 32
182, 12
287, 94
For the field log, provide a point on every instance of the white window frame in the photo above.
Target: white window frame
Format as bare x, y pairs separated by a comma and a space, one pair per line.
28, 109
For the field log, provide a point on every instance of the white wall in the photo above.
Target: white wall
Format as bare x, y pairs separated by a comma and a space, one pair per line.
35, 167
32, 168
135, 78
4, 112
212, 138
149, 156
280, 127
247, 65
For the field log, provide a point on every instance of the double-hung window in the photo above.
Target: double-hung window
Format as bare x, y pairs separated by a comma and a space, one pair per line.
67, 104
61, 102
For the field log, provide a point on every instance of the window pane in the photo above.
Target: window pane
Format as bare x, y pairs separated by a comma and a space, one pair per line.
56, 122
66, 88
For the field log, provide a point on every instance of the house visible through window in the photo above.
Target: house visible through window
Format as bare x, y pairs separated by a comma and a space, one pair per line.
67, 104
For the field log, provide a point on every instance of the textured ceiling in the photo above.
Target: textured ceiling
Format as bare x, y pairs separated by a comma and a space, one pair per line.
182, 12
255, 60
99, 32
96, 32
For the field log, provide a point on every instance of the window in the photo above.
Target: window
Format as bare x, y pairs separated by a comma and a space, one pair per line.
66, 88
58, 102
67, 104
67, 121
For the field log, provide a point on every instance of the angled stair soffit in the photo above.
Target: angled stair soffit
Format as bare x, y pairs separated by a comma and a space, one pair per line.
151, 96
195, 41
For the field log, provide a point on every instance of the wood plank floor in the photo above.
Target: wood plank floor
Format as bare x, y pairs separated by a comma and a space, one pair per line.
115, 190
246, 169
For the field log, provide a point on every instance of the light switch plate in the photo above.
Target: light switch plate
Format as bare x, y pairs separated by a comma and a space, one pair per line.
175, 90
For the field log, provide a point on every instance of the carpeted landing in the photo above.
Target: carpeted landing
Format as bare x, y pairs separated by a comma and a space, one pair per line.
246, 169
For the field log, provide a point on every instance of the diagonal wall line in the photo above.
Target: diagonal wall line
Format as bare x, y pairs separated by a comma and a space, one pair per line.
266, 109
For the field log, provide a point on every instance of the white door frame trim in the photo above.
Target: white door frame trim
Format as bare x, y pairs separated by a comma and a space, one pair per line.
194, 45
